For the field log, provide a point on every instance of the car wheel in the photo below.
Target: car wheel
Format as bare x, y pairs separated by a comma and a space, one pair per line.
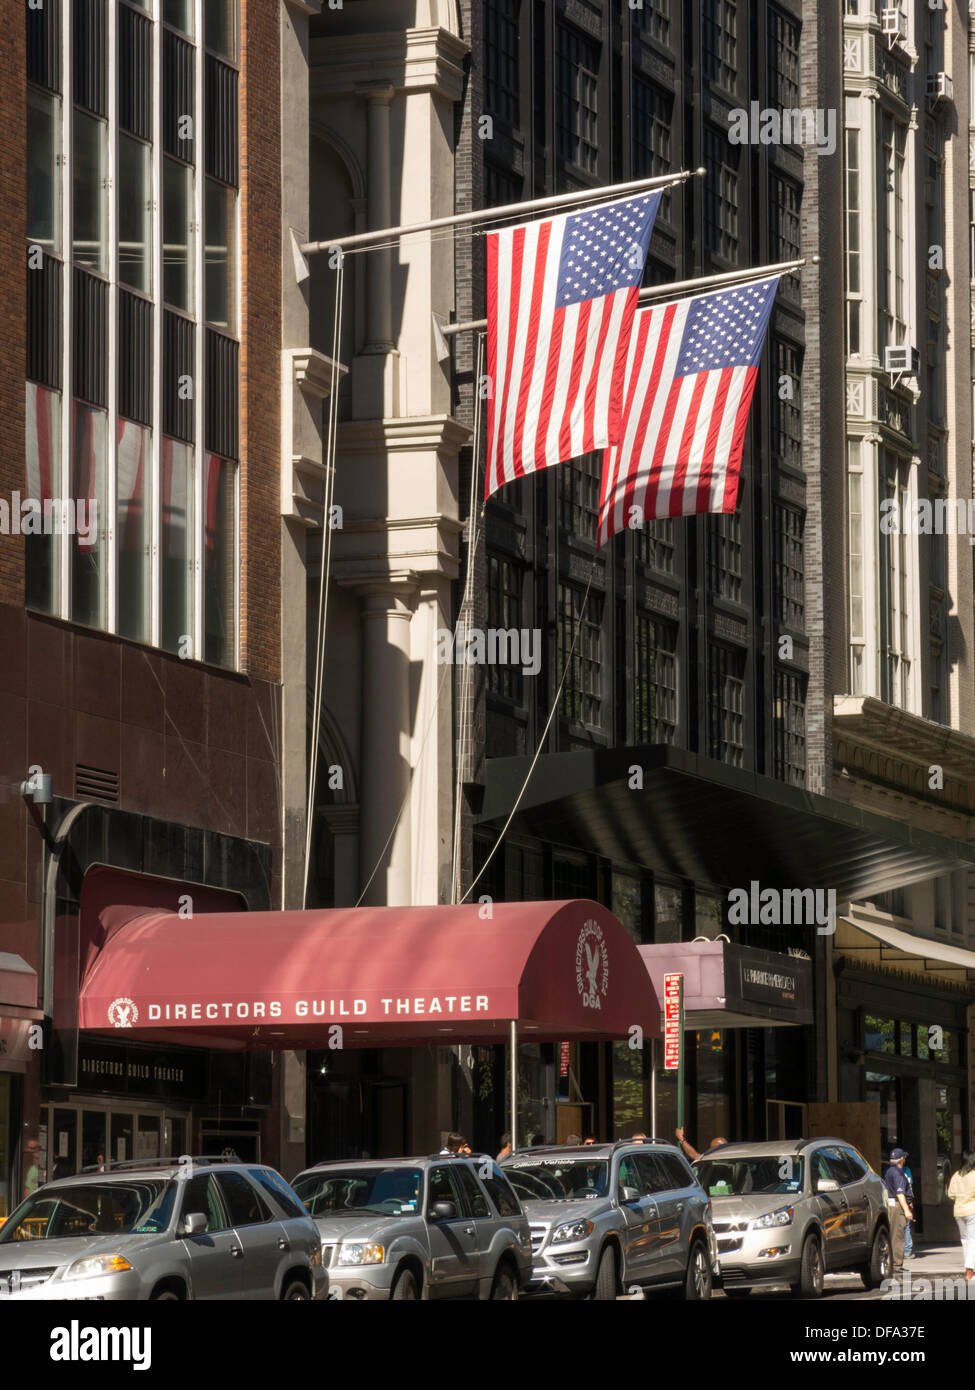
295, 1290
166, 1296
810, 1283
405, 1286
879, 1266
605, 1285
505, 1285
697, 1280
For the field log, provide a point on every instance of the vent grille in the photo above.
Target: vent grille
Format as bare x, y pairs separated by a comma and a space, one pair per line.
95, 783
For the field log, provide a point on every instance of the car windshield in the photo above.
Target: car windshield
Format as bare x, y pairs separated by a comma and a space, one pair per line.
558, 1179
141, 1207
745, 1177
378, 1191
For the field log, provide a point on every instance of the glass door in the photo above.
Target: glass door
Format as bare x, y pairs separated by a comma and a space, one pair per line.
64, 1144
148, 1136
94, 1137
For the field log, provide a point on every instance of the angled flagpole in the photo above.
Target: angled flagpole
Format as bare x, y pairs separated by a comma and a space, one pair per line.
583, 195
678, 287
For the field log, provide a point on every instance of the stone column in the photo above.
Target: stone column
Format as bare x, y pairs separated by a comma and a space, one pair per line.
387, 608
375, 381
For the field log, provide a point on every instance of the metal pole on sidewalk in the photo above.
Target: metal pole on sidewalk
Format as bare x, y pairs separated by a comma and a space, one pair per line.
513, 1065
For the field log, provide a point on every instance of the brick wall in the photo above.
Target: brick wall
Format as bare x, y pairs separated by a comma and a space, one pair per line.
13, 339
260, 141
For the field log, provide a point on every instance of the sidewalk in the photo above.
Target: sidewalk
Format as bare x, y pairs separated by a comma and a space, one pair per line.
935, 1259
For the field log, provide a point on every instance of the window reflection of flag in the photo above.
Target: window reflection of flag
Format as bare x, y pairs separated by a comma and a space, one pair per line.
214, 478
175, 503
131, 485
42, 441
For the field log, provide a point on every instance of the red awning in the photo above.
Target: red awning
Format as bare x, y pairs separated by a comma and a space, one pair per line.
387, 975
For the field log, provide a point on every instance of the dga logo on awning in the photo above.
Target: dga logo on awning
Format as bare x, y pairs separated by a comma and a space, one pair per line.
592, 965
122, 1013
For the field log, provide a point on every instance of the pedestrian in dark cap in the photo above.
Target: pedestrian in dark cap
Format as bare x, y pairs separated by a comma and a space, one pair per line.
898, 1207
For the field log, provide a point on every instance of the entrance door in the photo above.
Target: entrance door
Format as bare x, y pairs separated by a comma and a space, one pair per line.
64, 1144
148, 1136
94, 1138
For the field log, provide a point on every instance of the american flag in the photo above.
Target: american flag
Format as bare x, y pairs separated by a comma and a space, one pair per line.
690, 374
561, 295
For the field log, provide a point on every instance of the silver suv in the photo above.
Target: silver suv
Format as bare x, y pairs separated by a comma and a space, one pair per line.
407, 1228
605, 1217
202, 1228
790, 1212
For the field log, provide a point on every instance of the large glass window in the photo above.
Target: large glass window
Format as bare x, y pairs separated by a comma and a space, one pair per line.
582, 693
719, 43
895, 574
43, 482
43, 170
177, 219
220, 284
655, 692
89, 569
220, 561
726, 705
179, 13
501, 83
576, 99
721, 196
891, 233
89, 196
220, 28
133, 530
134, 214
176, 500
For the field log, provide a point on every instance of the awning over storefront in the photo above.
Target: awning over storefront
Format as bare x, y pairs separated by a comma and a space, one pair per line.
876, 943
18, 987
731, 986
689, 817
386, 976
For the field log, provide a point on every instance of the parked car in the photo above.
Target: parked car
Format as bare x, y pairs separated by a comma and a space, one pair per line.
406, 1228
166, 1230
788, 1213
606, 1217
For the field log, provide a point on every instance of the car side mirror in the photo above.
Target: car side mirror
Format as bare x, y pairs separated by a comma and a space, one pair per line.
631, 1194
827, 1185
442, 1211
194, 1224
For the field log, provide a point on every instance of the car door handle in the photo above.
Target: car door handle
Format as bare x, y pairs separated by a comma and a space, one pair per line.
469, 1230
236, 1251
679, 1206
284, 1244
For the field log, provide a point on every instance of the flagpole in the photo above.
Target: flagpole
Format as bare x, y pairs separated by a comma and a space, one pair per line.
342, 243
703, 282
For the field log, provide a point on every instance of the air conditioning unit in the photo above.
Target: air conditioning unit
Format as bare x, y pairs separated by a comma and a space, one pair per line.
939, 86
893, 23
901, 361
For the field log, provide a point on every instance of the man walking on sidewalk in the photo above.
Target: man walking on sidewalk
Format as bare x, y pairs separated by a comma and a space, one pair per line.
897, 1206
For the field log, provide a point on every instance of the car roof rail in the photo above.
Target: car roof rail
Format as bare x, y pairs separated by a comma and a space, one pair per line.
116, 1165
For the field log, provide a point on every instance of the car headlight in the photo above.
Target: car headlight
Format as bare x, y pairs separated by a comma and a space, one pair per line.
783, 1217
572, 1230
361, 1253
95, 1265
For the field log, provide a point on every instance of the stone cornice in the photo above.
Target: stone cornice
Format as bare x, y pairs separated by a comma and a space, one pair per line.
407, 433
907, 737
412, 60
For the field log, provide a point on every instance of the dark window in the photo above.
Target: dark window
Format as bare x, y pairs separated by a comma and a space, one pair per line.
575, 99
785, 202
579, 495
501, 186
786, 412
277, 1188
134, 72
44, 45
582, 692
221, 405
89, 67
200, 1195
501, 84
177, 96
783, 49
220, 561
653, 1177
653, 18
501, 1193
719, 43
477, 1203
789, 567
177, 409
654, 544
245, 1204
220, 101
655, 691
88, 328
726, 705
720, 196
725, 556
504, 580
856, 1164
135, 357
44, 323
442, 1187
653, 117
789, 728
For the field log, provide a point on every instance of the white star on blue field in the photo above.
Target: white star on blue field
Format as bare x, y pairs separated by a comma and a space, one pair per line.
726, 329
605, 249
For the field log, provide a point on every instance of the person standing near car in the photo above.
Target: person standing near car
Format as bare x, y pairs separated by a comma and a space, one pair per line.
897, 1206
690, 1150
962, 1190
909, 1228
